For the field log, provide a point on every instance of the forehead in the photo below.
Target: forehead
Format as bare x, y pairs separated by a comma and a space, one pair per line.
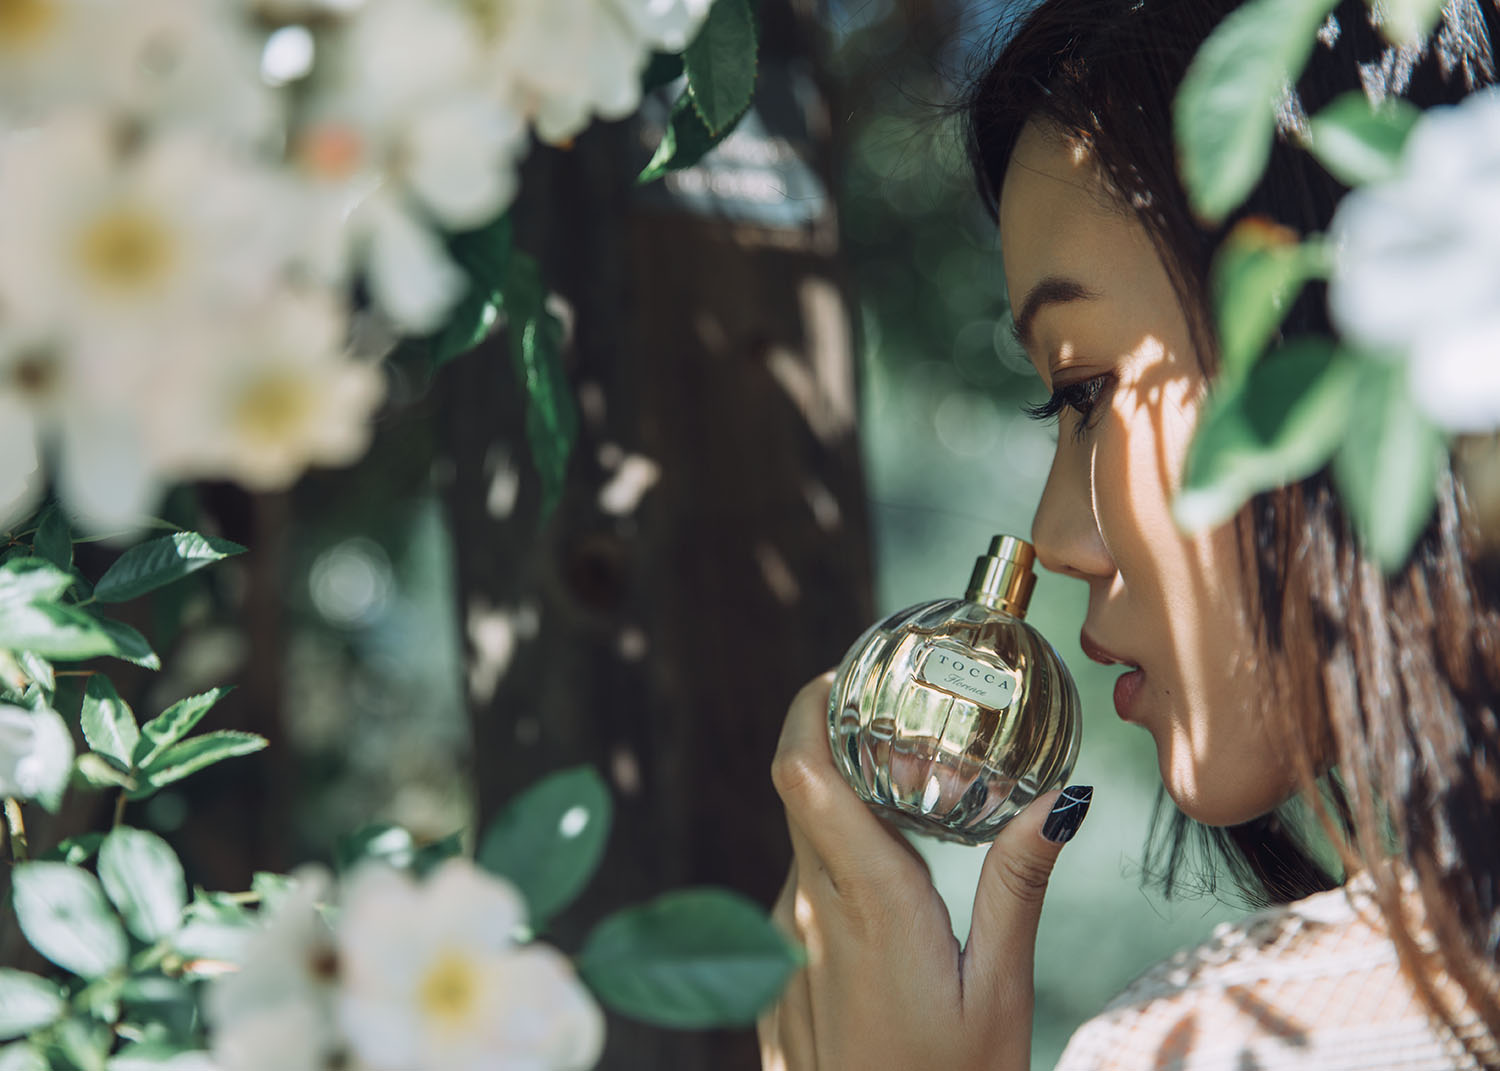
1057, 217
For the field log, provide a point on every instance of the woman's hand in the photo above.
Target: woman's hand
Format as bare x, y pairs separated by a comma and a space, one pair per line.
887, 987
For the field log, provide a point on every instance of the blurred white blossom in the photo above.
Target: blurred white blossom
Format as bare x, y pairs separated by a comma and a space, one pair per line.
277, 1010
280, 394
401, 140
36, 752
434, 980
562, 62
53, 413
112, 247
1418, 264
192, 191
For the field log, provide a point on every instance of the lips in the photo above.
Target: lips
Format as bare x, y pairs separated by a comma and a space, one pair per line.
1102, 655
1128, 686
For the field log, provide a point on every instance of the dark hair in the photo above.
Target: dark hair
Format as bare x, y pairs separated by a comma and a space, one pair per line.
1405, 668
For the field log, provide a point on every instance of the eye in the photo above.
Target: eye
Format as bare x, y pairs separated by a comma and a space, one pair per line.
1082, 396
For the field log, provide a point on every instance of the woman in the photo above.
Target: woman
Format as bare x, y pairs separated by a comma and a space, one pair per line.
1259, 656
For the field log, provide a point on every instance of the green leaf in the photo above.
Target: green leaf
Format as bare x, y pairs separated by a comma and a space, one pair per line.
485, 255
691, 959
271, 888
81, 1045
663, 68
1258, 272
158, 562
53, 631
97, 772
1282, 422
54, 539
174, 723
128, 643
1225, 111
144, 880
64, 915
76, 850
379, 841
1387, 470
22, 1056
535, 338
720, 64
192, 755
39, 670
51, 764
431, 856
1407, 22
549, 840
27, 1003
1359, 143
108, 723
28, 580
685, 141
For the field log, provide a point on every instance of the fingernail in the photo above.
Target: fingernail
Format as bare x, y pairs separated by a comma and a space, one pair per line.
1067, 813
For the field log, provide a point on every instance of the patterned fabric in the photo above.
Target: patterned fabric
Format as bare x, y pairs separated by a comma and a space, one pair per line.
1314, 985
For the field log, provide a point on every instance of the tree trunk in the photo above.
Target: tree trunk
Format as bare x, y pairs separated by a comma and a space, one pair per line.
710, 554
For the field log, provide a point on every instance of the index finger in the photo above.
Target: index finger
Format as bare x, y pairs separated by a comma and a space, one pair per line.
825, 814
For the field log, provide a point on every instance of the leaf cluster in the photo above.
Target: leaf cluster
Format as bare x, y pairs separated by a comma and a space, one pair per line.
506, 289
1285, 409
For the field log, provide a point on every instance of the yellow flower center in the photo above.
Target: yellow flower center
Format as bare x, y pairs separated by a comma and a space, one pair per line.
127, 250
274, 407
449, 992
24, 22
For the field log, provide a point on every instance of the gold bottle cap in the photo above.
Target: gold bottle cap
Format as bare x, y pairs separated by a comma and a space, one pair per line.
1003, 578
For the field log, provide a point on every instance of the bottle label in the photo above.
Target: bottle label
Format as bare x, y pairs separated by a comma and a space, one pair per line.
963, 671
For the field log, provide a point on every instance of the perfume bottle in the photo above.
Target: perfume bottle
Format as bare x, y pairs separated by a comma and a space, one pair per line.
951, 716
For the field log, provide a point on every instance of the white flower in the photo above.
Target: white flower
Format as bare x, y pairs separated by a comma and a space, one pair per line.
36, 752
276, 1011
180, 61
105, 259
666, 25
434, 981
183, 62
564, 61
115, 247
400, 139
1418, 264
61, 412
264, 396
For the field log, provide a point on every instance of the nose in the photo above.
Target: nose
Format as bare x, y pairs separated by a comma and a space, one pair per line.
1065, 530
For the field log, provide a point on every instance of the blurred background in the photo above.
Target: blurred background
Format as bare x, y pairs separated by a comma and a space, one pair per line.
801, 410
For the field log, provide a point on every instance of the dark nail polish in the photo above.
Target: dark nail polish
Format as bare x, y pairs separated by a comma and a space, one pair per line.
1067, 813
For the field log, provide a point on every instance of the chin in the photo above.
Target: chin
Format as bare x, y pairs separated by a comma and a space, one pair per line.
1216, 796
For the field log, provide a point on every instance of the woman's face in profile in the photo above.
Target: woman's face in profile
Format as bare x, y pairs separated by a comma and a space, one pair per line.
1100, 320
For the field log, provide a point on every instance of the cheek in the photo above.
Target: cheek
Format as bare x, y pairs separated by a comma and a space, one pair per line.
1140, 448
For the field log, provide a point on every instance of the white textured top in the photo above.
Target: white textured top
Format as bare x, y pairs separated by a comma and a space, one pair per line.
1314, 985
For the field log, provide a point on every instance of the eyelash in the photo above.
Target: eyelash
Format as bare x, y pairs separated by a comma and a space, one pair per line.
1082, 397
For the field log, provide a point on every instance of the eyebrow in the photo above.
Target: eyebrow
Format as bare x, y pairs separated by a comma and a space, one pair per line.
1052, 290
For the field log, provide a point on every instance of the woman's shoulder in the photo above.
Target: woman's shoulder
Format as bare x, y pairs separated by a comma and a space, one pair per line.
1313, 984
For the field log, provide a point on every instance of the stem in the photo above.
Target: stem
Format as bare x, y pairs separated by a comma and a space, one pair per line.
18, 848
74, 672
119, 810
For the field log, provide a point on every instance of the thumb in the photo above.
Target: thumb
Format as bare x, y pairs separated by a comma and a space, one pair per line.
1012, 883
